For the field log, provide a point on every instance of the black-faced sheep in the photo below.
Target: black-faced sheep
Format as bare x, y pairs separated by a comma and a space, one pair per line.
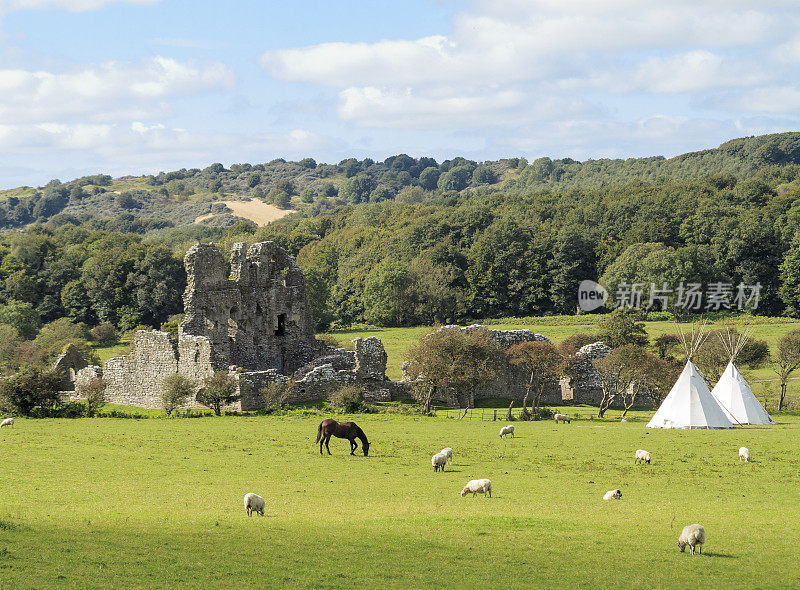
561, 417
642, 457
613, 495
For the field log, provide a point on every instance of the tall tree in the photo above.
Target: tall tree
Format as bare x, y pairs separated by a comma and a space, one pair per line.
543, 363
787, 361
452, 363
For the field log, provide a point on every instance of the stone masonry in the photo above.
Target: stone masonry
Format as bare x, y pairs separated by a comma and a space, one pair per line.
248, 316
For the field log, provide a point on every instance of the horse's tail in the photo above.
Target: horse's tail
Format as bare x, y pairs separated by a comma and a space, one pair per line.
319, 432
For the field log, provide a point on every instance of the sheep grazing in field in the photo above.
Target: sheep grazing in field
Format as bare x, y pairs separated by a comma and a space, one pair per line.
562, 417
254, 503
744, 454
449, 452
613, 495
507, 430
439, 460
624, 420
693, 535
642, 457
7, 422
477, 486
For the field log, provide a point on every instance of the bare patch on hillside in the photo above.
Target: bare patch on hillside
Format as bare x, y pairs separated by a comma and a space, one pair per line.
258, 211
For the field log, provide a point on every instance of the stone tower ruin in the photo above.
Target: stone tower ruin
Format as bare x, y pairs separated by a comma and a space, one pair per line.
252, 309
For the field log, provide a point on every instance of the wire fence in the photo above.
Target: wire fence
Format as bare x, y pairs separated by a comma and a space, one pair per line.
489, 414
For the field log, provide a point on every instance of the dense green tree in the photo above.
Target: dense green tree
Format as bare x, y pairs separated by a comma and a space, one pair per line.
218, 390
358, 188
455, 179
429, 178
621, 327
22, 317
388, 297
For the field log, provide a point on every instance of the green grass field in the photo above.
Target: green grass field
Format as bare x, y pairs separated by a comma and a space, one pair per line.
398, 340
157, 503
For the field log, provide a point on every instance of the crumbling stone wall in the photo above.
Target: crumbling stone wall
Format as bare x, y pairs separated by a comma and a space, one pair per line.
137, 379
68, 364
582, 385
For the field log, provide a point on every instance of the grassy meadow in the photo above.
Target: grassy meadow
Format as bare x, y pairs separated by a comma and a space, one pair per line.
157, 503
398, 340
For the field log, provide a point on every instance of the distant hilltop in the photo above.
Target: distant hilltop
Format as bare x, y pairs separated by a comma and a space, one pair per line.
180, 198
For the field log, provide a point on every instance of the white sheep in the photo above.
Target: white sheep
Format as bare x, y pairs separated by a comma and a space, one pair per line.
562, 417
7, 422
692, 535
477, 486
439, 460
613, 495
449, 452
624, 420
744, 454
642, 457
253, 503
507, 430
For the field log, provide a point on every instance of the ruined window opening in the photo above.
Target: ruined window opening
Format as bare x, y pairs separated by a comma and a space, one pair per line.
233, 326
281, 324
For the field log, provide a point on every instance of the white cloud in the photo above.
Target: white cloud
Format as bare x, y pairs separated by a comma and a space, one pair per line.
771, 99
110, 91
502, 54
71, 5
689, 72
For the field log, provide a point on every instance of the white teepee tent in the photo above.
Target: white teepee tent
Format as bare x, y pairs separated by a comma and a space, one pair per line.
732, 391
689, 404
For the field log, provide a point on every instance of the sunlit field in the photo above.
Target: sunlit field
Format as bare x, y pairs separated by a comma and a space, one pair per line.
155, 503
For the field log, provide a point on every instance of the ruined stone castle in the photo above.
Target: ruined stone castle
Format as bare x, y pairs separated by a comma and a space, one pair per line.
248, 315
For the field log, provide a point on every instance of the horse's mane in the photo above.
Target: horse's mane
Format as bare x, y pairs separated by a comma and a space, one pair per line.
360, 433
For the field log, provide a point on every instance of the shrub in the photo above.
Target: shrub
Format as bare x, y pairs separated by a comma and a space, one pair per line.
176, 391
348, 400
93, 393
572, 344
218, 390
276, 395
104, 334
28, 389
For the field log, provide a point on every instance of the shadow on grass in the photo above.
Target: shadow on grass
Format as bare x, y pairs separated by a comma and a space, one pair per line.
723, 555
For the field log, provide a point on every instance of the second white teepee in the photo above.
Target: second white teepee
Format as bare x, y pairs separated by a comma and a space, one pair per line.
689, 404
732, 391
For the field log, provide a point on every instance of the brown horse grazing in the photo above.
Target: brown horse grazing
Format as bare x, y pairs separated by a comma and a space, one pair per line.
349, 430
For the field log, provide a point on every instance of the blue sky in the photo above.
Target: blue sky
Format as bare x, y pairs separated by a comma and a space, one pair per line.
138, 86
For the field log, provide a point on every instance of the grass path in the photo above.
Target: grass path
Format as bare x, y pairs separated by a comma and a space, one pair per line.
99, 503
